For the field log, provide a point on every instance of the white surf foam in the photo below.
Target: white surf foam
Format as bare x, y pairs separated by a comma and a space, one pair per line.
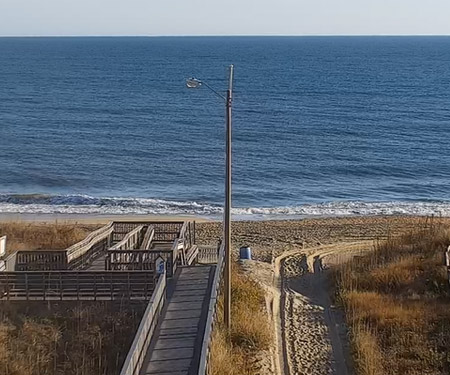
84, 204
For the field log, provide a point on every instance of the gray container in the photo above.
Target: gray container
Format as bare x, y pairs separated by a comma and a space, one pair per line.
245, 253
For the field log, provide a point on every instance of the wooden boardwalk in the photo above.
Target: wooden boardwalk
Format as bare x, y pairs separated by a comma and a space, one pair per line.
98, 264
176, 345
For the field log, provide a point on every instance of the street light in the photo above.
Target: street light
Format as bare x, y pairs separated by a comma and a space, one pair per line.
194, 83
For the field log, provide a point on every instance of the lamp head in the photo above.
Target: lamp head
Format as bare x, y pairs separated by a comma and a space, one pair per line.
193, 83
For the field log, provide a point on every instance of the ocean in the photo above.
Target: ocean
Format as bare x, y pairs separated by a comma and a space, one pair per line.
321, 125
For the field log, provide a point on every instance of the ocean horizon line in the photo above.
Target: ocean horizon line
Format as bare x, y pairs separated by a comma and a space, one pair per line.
223, 36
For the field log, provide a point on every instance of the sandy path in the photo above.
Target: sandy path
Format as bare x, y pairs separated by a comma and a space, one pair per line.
312, 333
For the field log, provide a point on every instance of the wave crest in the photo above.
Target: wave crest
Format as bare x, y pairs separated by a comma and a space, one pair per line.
84, 204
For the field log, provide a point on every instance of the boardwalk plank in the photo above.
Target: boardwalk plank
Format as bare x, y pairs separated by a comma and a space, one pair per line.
174, 349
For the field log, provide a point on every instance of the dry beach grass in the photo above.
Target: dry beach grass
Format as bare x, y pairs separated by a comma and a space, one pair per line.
66, 338
42, 236
397, 305
61, 338
234, 353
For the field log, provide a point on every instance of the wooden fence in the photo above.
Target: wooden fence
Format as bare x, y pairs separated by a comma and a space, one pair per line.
135, 358
211, 319
77, 285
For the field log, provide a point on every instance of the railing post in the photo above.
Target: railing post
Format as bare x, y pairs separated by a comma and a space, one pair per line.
43, 284
78, 287
95, 288
26, 286
60, 286
8, 288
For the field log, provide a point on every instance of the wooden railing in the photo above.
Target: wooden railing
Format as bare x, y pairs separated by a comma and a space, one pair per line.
10, 262
132, 240
211, 319
41, 260
140, 260
168, 231
81, 254
129, 260
164, 230
192, 255
148, 238
77, 285
135, 358
207, 254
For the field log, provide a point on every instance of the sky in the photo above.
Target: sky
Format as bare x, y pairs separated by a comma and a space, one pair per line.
220, 17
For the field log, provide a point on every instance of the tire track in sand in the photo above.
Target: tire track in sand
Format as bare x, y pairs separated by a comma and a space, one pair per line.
310, 331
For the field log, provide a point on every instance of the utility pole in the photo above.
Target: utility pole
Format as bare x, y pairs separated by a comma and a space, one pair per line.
227, 213
194, 83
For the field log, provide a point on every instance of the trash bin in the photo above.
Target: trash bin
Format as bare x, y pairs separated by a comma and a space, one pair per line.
245, 253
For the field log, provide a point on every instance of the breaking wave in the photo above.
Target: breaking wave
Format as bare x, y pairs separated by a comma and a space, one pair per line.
84, 204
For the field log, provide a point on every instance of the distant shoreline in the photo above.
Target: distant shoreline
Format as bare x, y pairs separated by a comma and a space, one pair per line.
93, 218
100, 219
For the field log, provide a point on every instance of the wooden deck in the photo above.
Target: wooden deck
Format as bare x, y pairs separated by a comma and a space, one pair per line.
98, 264
176, 345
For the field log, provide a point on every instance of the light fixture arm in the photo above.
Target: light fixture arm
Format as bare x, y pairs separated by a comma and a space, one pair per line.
214, 91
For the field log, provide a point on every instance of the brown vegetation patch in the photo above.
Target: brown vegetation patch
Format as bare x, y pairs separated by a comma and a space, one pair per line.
66, 338
397, 305
42, 236
250, 334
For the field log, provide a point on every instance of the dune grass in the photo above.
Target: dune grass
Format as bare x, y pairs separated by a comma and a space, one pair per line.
61, 338
42, 236
66, 338
397, 305
234, 352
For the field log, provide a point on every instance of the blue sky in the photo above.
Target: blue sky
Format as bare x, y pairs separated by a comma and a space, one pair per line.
231, 17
